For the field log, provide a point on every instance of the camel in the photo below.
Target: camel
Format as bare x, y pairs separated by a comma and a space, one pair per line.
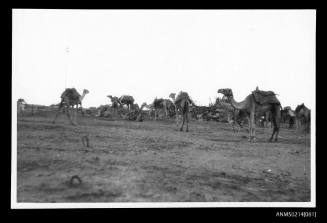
137, 113
302, 117
288, 116
182, 103
127, 100
114, 101
115, 104
69, 99
167, 105
256, 103
20, 105
157, 105
164, 104
103, 110
150, 108
140, 117
172, 96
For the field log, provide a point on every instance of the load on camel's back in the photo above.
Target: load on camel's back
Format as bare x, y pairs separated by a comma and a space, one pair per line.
73, 98
265, 97
71, 93
303, 118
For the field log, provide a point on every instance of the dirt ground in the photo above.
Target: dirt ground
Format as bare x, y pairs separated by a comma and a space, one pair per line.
152, 162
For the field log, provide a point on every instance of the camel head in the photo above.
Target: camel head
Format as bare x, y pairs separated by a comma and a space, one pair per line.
226, 91
82, 97
299, 108
172, 96
109, 96
21, 100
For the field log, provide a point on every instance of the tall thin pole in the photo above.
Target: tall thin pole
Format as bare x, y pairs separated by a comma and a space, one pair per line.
66, 70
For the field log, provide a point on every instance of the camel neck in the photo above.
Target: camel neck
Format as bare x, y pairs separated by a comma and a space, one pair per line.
82, 97
235, 104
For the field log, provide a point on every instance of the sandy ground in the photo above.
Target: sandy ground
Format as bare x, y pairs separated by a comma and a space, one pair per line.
151, 161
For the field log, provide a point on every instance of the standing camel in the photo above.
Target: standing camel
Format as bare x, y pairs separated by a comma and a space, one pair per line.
127, 100
20, 105
302, 117
114, 101
258, 102
115, 104
168, 105
172, 96
164, 104
157, 105
182, 104
69, 99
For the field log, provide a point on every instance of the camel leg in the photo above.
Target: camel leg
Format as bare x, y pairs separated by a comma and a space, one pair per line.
186, 115
239, 122
277, 131
75, 115
177, 122
181, 129
297, 123
166, 112
277, 123
253, 126
155, 114
274, 130
70, 115
67, 112
250, 129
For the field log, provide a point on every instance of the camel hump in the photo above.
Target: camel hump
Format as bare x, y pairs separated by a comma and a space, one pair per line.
301, 107
265, 97
71, 93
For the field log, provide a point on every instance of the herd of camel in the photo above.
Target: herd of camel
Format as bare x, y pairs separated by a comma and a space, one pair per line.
257, 104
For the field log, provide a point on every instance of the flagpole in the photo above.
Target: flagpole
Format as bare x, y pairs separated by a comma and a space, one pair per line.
66, 67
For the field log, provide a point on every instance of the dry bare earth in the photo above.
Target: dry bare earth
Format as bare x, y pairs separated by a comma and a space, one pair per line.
151, 162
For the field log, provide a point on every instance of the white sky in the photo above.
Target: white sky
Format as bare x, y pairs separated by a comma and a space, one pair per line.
149, 53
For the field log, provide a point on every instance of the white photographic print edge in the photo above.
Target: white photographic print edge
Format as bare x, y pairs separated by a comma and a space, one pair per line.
18, 88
